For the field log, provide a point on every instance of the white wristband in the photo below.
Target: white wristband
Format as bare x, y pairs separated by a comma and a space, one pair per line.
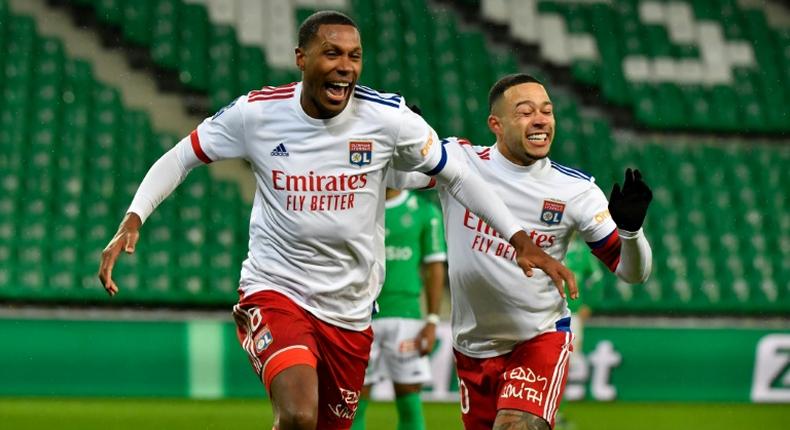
432, 319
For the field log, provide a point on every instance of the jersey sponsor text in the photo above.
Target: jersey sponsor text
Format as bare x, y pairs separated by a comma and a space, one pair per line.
318, 183
487, 243
311, 182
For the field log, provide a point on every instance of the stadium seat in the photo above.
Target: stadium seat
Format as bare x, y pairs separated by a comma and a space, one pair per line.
194, 39
136, 21
4, 24
165, 45
109, 11
223, 73
253, 70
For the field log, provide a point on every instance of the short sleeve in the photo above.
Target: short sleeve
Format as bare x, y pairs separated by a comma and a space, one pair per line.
221, 136
591, 211
433, 245
417, 147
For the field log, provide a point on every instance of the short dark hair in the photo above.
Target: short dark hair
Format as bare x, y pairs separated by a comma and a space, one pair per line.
310, 26
506, 82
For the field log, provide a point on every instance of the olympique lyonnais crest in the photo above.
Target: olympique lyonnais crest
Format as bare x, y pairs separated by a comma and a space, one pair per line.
360, 152
552, 212
263, 339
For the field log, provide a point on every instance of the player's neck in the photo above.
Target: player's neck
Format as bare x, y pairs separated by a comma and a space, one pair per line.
525, 160
313, 109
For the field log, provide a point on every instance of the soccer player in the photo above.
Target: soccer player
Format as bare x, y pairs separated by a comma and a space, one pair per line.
414, 240
512, 335
319, 150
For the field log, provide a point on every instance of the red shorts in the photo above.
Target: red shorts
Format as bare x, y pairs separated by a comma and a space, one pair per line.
530, 378
277, 334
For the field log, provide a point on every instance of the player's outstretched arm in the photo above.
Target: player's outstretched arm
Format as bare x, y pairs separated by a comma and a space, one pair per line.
125, 239
628, 208
160, 181
475, 194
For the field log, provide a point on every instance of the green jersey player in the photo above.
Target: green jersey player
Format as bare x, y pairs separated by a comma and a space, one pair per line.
588, 271
415, 251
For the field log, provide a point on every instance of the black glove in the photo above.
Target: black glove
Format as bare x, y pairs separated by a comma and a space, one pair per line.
629, 206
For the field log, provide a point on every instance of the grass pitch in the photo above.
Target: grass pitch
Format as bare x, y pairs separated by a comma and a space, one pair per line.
176, 414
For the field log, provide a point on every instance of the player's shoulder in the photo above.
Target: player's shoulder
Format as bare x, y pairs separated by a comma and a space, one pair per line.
570, 182
570, 175
266, 101
270, 95
379, 101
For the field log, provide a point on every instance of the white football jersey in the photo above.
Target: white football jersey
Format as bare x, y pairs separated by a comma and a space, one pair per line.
494, 305
316, 229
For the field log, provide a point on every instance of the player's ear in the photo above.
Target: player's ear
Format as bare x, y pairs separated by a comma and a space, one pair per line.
299, 58
494, 124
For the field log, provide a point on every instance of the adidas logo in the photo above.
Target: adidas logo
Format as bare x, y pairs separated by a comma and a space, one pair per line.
280, 151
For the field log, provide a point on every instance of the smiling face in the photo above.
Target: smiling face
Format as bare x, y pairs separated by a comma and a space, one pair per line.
523, 122
330, 64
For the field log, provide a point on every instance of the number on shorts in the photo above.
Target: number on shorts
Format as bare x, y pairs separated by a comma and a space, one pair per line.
464, 396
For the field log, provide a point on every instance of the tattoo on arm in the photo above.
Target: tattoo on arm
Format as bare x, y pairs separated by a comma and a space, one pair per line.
518, 420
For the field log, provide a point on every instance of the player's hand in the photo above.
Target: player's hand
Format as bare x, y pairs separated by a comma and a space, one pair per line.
426, 339
125, 239
628, 206
529, 256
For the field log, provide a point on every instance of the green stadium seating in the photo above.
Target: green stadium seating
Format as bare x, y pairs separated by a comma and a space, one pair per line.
719, 240
110, 11
165, 34
206, 57
74, 161
253, 69
4, 25
223, 55
137, 19
684, 47
193, 50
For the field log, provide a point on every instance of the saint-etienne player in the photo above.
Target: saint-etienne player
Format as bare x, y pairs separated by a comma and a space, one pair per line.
414, 239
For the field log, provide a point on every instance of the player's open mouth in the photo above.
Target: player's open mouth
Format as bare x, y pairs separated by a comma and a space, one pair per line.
537, 137
337, 91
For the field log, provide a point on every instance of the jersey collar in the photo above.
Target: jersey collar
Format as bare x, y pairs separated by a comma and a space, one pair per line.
338, 119
537, 169
397, 201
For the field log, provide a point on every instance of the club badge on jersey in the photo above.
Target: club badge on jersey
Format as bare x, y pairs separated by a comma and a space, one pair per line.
360, 152
552, 212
